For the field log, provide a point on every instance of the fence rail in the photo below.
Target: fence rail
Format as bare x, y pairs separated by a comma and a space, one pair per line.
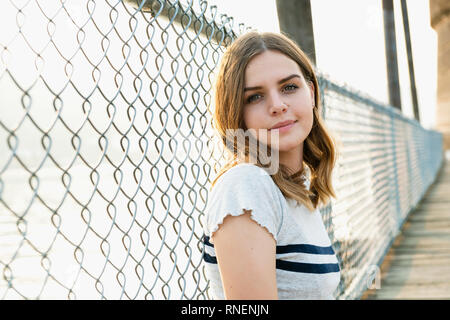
107, 153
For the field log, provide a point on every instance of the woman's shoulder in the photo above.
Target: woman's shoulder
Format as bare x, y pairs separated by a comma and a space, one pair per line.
247, 168
244, 173
245, 187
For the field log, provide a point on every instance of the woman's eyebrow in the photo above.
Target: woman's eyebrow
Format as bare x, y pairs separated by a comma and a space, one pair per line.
279, 82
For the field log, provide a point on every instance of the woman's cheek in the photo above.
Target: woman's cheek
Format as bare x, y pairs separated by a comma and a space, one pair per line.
308, 121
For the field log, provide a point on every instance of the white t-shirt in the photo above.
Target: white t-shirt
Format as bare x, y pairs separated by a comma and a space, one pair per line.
306, 264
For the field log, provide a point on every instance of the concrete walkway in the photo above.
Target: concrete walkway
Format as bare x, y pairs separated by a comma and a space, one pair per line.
418, 264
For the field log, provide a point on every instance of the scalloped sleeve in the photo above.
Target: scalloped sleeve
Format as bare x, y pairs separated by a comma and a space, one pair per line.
245, 187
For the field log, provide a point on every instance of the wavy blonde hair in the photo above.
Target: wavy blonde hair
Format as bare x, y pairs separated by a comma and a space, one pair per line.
319, 151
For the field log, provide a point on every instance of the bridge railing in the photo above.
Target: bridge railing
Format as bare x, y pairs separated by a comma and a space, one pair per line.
386, 164
107, 153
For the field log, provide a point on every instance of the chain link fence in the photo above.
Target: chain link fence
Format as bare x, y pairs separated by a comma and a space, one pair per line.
107, 153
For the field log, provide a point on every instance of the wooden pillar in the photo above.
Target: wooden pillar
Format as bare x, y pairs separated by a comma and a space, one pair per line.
412, 77
391, 54
440, 21
295, 21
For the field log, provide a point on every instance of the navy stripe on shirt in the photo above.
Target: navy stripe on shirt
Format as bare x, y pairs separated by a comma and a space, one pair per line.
209, 258
307, 267
317, 268
305, 248
206, 241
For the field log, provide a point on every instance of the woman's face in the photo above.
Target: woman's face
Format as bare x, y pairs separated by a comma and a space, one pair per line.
276, 91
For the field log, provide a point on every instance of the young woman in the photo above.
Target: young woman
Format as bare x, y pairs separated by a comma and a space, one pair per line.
264, 235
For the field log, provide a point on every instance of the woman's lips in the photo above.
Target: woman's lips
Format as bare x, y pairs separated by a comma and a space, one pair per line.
284, 128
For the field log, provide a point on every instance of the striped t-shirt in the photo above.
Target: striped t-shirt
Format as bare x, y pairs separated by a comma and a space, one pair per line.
306, 264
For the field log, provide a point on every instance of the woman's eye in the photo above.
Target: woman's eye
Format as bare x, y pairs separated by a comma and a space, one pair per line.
290, 87
252, 98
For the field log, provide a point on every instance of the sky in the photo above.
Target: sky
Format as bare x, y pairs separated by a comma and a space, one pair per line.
360, 61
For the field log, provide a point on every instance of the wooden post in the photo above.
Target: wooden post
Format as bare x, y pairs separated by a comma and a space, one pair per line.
295, 21
412, 77
440, 21
391, 54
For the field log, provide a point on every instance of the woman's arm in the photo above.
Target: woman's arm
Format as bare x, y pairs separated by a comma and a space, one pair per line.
245, 254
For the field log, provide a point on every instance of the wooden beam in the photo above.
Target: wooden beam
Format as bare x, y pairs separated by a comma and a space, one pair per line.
295, 21
391, 54
412, 78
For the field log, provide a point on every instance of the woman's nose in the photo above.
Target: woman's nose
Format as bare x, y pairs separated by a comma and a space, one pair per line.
276, 104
